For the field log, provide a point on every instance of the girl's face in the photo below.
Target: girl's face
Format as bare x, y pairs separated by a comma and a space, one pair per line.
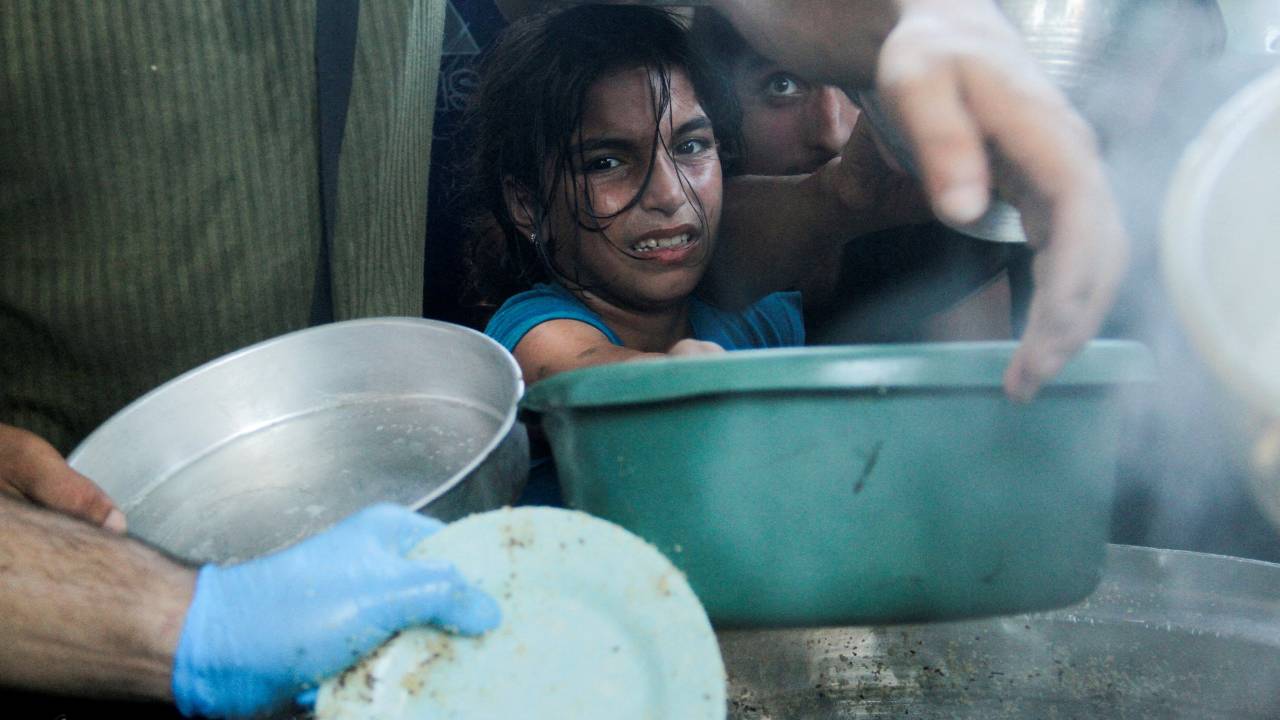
652, 254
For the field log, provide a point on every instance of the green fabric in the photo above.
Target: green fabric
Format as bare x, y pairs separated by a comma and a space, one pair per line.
158, 197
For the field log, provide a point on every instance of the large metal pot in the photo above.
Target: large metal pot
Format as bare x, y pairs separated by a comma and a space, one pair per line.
275, 442
1168, 634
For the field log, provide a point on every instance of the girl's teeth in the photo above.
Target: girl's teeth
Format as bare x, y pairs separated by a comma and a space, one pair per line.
661, 243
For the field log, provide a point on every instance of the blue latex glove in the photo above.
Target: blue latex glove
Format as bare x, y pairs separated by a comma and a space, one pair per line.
260, 633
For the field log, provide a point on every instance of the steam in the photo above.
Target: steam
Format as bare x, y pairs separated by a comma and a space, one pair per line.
1184, 464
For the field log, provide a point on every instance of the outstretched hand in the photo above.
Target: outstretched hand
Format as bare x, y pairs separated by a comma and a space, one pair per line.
978, 116
259, 634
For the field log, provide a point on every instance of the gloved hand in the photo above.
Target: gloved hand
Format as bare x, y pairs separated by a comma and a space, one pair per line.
258, 634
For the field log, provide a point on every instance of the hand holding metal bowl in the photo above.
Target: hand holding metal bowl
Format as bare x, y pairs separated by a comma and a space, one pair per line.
271, 444
960, 103
1072, 43
958, 82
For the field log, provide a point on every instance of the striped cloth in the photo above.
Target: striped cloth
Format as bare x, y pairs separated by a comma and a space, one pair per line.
159, 203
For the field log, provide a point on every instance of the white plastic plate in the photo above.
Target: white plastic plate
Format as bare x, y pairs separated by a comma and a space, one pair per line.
596, 624
1221, 242
1220, 254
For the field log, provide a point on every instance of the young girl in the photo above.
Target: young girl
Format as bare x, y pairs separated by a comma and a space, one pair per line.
601, 137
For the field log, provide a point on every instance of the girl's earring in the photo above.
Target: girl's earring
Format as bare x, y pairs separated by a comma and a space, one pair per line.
533, 238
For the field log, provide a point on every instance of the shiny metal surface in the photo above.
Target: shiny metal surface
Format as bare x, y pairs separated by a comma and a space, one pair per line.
1253, 26
1076, 43
1168, 634
273, 443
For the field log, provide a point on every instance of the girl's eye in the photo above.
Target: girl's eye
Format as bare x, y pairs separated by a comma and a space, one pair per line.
601, 164
693, 146
783, 85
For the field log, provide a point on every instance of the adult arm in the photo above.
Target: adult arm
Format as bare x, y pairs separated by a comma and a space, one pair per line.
557, 346
773, 229
89, 613
83, 611
31, 469
977, 114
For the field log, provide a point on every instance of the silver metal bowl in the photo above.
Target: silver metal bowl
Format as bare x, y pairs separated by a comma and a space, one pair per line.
270, 444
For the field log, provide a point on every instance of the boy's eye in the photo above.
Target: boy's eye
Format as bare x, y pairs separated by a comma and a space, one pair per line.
783, 85
601, 164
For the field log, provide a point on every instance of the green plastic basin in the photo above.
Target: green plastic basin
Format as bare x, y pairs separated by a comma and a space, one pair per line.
851, 485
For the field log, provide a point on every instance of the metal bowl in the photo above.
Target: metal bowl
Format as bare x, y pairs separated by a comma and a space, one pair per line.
1080, 45
268, 445
1168, 634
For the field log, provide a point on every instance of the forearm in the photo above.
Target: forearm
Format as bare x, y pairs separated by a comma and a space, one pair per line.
771, 229
537, 367
562, 345
85, 612
795, 33
775, 229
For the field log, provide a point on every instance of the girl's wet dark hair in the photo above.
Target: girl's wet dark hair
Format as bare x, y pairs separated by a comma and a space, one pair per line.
528, 109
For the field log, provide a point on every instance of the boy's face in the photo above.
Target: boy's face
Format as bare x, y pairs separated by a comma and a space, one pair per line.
790, 125
650, 255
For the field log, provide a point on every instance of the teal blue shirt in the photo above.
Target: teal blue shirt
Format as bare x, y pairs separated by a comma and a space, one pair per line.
774, 321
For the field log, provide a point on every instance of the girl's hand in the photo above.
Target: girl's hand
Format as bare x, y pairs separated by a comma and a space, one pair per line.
689, 346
